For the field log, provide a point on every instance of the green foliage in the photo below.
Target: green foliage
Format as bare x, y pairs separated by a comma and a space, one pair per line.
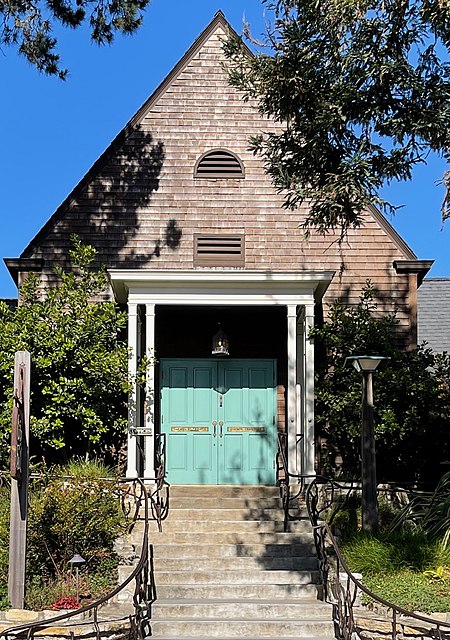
391, 552
79, 364
30, 25
412, 398
429, 512
405, 567
403, 564
73, 510
71, 515
4, 545
411, 590
362, 89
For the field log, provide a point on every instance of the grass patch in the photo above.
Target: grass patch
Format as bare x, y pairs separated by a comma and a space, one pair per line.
411, 590
406, 568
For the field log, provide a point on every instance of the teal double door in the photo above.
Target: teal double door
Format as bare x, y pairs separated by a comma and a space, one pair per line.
219, 417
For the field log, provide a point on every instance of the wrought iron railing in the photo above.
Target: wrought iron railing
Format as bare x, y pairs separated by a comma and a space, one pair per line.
160, 495
341, 588
339, 585
134, 491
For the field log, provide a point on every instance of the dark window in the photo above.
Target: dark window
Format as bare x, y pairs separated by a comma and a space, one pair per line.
219, 163
218, 251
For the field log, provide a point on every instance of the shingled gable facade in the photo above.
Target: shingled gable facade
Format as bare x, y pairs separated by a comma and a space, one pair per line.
193, 234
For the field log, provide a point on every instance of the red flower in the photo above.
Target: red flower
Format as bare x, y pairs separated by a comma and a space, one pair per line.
67, 602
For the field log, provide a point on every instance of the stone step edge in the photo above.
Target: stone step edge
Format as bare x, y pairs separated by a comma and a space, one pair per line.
245, 619
224, 637
303, 602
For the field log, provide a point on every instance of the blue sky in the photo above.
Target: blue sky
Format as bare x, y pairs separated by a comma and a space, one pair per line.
53, 131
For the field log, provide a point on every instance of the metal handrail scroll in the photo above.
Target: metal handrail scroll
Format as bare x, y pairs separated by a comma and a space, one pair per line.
339, 585
142, 574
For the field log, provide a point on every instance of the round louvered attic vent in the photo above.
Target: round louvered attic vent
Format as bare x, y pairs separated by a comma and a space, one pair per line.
219, 163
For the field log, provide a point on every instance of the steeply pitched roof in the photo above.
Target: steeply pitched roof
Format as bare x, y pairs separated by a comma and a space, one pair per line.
218, 20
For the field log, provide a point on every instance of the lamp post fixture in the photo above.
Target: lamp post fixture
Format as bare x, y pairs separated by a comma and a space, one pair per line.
367, 365
76, 562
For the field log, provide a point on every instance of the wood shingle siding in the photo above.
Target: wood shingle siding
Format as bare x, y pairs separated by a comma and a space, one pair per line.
142, 206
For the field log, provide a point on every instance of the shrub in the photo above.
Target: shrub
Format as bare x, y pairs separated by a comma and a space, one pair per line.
72, 509
68, 515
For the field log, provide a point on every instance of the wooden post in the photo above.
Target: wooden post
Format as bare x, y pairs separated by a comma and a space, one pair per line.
20, 455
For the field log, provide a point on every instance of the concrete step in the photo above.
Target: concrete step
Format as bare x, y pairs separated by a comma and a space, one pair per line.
289, 563
224, 637
225, 568
232, 577
225, 491
224, 526
230, 537
249, 550
238, 628
237, 502
244, 592
260, 609
225, 513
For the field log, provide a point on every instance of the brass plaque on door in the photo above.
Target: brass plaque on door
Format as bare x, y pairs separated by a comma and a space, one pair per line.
251, 429
189, 429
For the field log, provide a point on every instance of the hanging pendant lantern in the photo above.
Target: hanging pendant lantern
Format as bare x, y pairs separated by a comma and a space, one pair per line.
220, 343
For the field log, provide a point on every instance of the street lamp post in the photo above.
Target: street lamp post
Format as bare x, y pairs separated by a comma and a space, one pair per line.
367, 365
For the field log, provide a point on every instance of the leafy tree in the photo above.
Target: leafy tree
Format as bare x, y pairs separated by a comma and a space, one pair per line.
79, 363
30, 25
362, 89
412, 395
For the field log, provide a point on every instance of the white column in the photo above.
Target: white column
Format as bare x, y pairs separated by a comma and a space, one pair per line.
309, 392
300, 388
132, 468
149, 464
292, 388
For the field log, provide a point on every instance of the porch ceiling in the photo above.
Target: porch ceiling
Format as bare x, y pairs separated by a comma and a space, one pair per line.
219, 286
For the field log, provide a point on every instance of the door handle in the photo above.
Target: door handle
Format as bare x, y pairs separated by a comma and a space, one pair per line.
214, 423
221, 425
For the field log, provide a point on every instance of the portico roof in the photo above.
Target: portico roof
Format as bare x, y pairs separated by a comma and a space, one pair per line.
219, 286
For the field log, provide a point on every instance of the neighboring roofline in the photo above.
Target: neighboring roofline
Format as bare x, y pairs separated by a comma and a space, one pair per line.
219, 19
420, 267
15, 265
438, 279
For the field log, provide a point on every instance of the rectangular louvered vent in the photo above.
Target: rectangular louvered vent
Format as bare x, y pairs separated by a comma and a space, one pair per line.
218, 251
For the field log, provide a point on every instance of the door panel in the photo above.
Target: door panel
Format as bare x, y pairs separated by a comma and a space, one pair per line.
219, 417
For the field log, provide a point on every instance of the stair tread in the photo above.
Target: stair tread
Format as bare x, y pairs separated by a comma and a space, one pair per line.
258, 601
225, 569
243, 619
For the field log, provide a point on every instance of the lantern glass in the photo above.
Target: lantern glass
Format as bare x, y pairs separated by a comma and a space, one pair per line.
220, 344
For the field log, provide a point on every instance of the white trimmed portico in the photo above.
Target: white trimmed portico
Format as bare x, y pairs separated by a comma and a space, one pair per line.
297, 291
